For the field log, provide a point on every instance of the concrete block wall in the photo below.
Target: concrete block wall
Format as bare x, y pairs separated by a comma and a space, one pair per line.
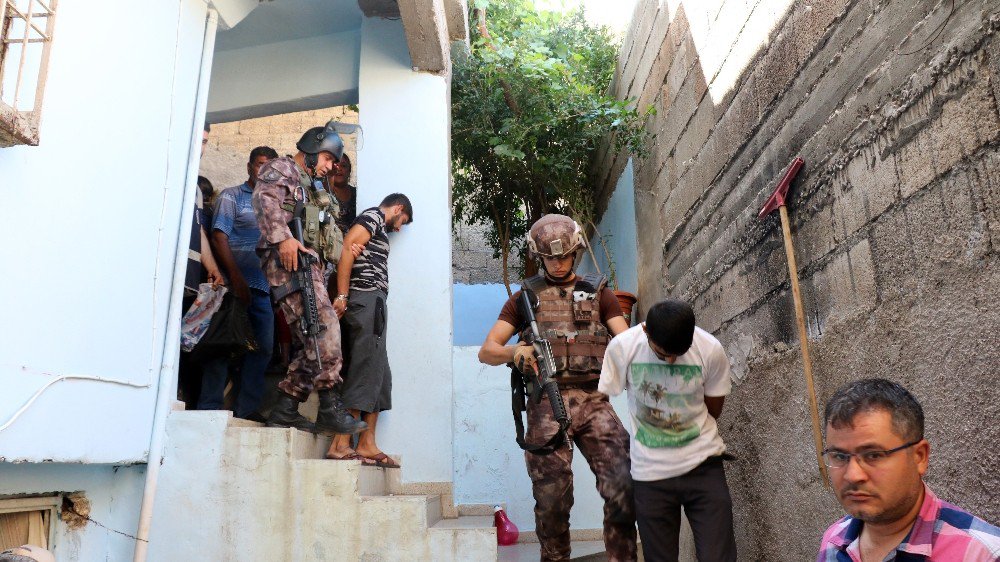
895, 221
229, 144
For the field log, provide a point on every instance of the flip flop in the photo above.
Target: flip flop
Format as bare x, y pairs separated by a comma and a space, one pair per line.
382, 460
353, 457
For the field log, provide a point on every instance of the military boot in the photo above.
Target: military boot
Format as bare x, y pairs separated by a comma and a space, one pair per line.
286, 414
333, 417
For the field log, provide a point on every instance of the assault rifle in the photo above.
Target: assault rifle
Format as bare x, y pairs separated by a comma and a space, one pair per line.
309, 324
538, 384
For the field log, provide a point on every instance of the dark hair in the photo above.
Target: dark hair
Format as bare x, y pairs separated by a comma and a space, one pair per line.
267, 151
347, 157
670, 325
9, 556
398, 199
877, 394
207, 189
208, 127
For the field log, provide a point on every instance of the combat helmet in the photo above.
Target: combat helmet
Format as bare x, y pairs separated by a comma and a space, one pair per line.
321, 139
555, 236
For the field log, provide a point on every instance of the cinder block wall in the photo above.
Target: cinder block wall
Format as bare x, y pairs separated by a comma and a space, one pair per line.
895, 220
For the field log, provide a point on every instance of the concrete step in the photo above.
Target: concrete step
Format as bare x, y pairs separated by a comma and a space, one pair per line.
369, 480
470, 538
582, 551
423, 510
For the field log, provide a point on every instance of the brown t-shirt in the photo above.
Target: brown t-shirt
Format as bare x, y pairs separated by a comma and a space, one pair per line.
608, 305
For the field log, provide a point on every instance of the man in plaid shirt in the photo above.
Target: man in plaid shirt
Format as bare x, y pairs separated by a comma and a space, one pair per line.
877, 456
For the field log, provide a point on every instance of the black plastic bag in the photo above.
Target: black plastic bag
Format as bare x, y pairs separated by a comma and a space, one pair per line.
229, 335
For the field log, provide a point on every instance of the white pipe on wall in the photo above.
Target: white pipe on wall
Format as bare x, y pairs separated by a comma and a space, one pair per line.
166, 390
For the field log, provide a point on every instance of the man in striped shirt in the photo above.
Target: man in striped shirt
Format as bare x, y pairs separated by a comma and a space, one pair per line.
362, 289
877, 456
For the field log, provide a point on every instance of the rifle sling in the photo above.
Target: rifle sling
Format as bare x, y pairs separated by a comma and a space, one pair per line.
281, 291
518, 405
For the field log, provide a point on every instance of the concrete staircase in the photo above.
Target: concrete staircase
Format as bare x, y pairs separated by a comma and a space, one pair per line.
233, 490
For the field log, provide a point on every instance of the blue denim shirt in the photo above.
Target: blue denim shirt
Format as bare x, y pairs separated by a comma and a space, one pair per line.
234, 216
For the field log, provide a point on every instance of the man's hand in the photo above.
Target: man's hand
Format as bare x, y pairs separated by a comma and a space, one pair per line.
241, 289
357, 250
340, 307
288, 253
214, 276
524, 356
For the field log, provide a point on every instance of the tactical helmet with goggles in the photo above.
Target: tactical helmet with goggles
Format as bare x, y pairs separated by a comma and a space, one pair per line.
555, 236
320, 139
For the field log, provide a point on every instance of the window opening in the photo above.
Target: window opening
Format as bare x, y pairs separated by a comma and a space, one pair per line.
27, 521
26, 28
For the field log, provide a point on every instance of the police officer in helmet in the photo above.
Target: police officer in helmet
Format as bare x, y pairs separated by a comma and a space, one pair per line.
578, 315
287, 187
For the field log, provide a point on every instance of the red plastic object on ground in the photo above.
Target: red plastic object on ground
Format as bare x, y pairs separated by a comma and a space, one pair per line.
506, 529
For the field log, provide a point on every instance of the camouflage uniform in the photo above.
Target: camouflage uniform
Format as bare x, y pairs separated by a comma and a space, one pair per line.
600, 436
280, 182
570, 320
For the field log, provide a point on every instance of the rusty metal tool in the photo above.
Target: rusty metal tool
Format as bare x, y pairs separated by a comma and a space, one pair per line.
777, 201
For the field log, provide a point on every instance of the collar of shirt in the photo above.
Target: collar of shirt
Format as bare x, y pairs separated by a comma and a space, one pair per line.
919, 539
246, 188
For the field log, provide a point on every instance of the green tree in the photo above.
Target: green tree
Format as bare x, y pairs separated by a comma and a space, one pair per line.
529, 109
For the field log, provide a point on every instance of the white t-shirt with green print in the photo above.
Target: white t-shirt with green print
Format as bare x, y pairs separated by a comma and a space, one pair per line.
672, 431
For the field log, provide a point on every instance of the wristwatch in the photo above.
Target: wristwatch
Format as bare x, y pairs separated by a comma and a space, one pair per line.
341, 298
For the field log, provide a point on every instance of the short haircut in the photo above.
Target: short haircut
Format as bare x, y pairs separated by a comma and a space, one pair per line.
9, 556
398, 199
868, 395
670, 325
207, 189
267, 151
346, 157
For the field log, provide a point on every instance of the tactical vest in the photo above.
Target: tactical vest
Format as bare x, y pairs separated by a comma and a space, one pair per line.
319, 211
570, 318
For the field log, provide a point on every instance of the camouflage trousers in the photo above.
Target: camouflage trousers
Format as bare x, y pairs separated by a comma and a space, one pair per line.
597, 432
303, 375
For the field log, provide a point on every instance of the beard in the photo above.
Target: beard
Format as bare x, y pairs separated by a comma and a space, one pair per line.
886, 514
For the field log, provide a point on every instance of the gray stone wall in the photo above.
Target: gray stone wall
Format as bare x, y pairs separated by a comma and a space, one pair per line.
896, 221
472, 260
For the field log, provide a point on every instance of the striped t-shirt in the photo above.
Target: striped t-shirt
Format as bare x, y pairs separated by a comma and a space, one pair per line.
371, 268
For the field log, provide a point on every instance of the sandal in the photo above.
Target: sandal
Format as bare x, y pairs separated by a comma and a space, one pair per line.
382, 460
353, 457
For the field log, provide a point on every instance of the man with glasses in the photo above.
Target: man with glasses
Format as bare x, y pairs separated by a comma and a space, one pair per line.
877, 455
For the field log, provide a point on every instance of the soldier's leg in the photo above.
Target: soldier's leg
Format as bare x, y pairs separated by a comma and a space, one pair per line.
604, 442
303, 372
551, 484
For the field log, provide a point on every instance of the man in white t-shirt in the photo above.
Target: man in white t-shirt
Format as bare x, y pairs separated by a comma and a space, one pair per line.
677, 376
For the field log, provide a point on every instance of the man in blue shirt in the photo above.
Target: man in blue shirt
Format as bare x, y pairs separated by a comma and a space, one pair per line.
234, 237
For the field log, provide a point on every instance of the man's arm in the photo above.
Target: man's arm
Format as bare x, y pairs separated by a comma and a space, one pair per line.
224, 253
714, 405
617, 325
356, 235
208, 260
495, 350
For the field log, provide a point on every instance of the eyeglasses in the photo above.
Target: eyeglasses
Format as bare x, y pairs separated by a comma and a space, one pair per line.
839, 459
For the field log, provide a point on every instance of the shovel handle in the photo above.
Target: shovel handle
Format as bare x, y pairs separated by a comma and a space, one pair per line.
800, 317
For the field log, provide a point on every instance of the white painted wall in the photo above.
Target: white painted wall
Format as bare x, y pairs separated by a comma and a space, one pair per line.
489, 466
406, 119
113, 492
619, 231
91, 232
